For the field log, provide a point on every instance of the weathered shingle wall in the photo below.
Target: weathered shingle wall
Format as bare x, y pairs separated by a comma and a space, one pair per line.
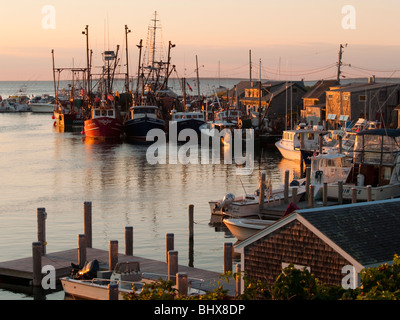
295, 244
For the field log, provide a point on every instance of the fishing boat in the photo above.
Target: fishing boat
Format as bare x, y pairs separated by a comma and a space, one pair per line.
142, 120
126, 276
104, 122
376, 164
67, 116
245, 227
300, 143
188, 120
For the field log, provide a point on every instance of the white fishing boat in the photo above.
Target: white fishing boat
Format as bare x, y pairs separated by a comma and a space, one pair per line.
376, 163
126, 276
188, 120
244, 228
296, 142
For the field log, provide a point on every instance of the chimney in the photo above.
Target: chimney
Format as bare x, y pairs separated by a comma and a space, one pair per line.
371, 80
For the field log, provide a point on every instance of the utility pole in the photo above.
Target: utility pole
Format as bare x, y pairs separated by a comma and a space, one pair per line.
250, 65
339, 64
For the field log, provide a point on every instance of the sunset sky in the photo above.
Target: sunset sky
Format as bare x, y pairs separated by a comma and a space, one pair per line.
294, 39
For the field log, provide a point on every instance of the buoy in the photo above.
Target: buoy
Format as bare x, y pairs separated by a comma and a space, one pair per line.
54, 124
53, 117
82, 132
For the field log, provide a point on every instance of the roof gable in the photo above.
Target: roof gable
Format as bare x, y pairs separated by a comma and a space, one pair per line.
363, 232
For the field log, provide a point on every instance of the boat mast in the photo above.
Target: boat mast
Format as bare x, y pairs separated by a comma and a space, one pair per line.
198, 80
86, 33
127, 60
140, 46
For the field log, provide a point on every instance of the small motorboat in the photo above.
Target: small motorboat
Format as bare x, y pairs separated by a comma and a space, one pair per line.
244, 228
89, 283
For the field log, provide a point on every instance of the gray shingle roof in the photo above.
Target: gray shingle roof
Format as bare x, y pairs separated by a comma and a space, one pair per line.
369, 232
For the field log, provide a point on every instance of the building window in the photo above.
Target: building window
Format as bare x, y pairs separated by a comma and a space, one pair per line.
330, 96
346, 97
362, 98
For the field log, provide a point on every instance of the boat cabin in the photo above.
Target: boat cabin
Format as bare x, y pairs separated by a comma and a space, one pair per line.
145, 111
177, 116
375, 157
301, 139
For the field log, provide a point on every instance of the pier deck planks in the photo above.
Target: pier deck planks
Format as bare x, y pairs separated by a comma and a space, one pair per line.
23, 268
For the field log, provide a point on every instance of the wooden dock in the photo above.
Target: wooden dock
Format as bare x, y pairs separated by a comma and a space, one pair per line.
29, 270
22, 269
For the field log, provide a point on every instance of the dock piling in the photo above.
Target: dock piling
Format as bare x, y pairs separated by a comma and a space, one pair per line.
41, 228
182, 283
129, 241
308, 178
191, 234
238, 279
37, 263
369, 193
172, 264
262, 191
87, 222
294, 194
286, 190
81, 250
169, 244
340, 192
311, 196
325, 194
228, 254
113, 292
112, 254
353, 195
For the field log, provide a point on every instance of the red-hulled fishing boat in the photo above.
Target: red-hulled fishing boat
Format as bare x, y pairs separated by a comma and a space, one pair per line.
104, 122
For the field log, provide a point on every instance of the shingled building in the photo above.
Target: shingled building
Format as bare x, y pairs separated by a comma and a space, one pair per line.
325, 240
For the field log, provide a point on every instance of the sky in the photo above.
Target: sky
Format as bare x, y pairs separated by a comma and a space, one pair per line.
288, 39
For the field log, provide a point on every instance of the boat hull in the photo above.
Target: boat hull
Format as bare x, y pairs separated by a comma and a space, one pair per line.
42, 107
290, 154
377, 193
136, 130
103, 128
244, 228
88, 290
192, 124
68, 120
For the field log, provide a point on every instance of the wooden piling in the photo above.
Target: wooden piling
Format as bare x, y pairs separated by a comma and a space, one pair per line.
81, 250
320, 143
340, 192
191, 234
129, 241
169, 244
182, 283
294, 194
369, 192
113, 292
353, 195
238, 279
112, 254
37, 263
311, 196
325, 194
172, 264
262, 191
228, 254
87, 222
308, 178
41, 228
286, 186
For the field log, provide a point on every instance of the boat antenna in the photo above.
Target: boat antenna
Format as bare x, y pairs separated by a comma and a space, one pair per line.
242, 185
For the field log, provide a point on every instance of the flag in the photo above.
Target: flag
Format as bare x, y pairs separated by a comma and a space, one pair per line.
190, 88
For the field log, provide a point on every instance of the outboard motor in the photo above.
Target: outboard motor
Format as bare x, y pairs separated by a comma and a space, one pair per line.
88, 272
226, 201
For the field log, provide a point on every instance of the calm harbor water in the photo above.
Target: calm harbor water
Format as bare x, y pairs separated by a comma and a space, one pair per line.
42, 167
